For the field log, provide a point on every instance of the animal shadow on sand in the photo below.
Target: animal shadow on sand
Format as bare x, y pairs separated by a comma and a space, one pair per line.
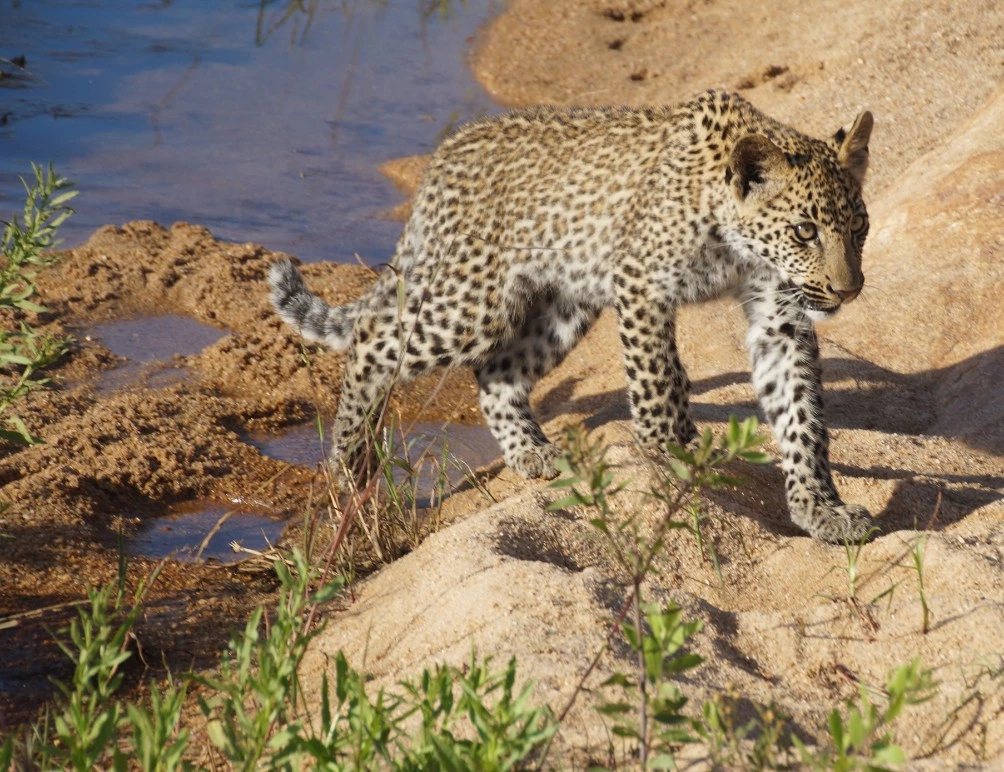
959, 403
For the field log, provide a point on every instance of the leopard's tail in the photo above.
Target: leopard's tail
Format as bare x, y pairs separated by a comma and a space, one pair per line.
300, 308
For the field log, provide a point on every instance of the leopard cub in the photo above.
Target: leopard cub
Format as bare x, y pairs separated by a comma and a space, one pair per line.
527, 225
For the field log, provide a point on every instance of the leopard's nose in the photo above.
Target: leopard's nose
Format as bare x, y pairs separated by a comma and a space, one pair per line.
846, 295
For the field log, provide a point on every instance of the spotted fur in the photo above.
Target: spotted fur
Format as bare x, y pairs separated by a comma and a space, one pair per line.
527, 225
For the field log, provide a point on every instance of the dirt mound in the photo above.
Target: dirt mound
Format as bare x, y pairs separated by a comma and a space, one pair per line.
113, 459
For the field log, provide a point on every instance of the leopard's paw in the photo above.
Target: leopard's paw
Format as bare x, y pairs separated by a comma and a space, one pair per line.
839, 523
537, 462
687, 435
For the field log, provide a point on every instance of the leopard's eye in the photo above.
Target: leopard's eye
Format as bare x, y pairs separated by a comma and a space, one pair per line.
858, 223
805, 231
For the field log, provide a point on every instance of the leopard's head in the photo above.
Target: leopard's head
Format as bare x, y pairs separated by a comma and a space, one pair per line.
799, 208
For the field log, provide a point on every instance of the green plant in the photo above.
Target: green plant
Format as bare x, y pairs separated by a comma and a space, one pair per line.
414, 486
917, 553
861, 735
761, 742
7, 753
506, 729
30, 746
252, 714
446, 719
158, 740
384, 500
658, 700
86, 726
589, 482
852, 550
24, 351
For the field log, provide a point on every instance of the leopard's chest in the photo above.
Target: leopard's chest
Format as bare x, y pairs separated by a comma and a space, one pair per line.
708, 270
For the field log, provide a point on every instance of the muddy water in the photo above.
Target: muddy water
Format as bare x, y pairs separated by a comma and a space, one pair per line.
180, 533
433, 453
265, 121
149, 345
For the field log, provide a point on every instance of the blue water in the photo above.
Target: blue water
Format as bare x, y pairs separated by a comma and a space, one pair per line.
181, 531
264, 122
436, 452
150, 344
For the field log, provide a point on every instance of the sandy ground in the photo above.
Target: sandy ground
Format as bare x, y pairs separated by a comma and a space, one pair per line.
912, 382
112, 459
913, 395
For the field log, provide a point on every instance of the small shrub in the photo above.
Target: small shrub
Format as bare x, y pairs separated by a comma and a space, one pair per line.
253, 711
589, 482
762, 742
861, 735
654, 717
446, 719
23, 350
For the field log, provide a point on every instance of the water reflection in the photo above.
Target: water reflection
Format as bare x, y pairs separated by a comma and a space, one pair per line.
151, 346
265, 121
432, 453
181, 532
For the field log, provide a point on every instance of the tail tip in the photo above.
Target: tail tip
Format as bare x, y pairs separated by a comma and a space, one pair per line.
286, 283
282, 274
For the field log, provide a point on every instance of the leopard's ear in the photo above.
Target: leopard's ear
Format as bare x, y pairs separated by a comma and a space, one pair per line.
852, 145
757, 169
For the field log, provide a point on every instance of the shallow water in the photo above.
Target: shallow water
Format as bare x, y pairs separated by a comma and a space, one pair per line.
262, 121
149, 344
152, 338
180, 532
432, 449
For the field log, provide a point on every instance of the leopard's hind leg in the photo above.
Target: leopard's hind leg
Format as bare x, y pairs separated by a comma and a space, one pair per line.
551, 329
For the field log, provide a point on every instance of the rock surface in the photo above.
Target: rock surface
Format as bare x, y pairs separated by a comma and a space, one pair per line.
913, 383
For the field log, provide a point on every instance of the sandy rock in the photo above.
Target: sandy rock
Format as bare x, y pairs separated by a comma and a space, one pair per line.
935, 265
935, 256
912, 379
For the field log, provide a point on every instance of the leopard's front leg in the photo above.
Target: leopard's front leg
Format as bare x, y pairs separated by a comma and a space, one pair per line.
658, 387
786, 376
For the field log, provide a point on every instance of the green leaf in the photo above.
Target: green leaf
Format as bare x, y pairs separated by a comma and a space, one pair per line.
888, 757
562, 465
837, 731
662, 761
18, 359
756, 457
680, 469
682, 454
62, 198
616, 708
327, 592
567, 502
7, 752
20, 434
856, 730
600, 525
27, 305
732, 432
682, 663
216, 734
